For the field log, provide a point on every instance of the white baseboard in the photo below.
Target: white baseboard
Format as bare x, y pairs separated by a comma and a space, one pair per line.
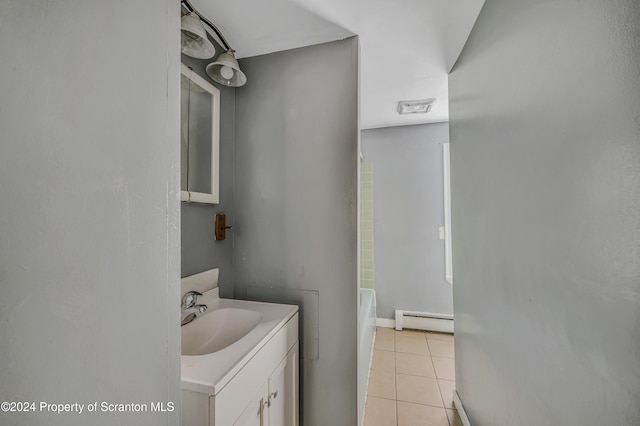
427, 324
428, 321
463, 414
386, 323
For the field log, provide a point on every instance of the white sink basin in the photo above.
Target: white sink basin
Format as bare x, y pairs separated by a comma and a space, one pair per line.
217, 329
217, 344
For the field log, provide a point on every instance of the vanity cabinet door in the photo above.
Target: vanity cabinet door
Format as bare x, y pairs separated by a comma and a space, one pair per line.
277, 402
255, 413
195, 408
283, 391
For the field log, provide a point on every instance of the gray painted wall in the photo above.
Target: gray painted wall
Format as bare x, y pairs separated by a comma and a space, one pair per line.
408, 209
545, 146
200, 250
295, 195
89, 161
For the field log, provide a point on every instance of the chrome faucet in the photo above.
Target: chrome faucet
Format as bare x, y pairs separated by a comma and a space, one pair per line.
189, 308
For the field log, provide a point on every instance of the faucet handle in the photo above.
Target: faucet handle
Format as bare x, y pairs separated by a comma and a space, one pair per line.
189, 299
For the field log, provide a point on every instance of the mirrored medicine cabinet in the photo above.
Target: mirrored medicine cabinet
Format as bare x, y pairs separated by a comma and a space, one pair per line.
199, 139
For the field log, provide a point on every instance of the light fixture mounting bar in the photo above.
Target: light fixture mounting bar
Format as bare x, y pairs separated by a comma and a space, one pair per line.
208, 22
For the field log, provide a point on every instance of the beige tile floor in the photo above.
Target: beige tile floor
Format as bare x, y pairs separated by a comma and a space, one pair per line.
411, 380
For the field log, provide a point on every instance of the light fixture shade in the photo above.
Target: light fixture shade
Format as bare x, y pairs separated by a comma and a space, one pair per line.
225, 70
195, 42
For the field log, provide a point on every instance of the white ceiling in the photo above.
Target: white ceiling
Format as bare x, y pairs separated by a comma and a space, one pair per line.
407, 46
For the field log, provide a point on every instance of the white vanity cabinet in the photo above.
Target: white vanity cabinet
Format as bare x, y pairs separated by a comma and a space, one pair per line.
262, 390
276, 403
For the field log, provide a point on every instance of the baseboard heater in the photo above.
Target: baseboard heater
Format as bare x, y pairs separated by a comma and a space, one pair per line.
424, 321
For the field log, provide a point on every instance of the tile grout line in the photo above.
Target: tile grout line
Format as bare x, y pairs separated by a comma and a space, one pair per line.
413, 402
447, 409
444, 405
395, 377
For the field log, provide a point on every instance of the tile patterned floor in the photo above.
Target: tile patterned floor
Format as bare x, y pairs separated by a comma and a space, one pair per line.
411, 380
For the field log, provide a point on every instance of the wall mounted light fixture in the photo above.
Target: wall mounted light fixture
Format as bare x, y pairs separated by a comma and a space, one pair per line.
225, 70
195, 42
415, 107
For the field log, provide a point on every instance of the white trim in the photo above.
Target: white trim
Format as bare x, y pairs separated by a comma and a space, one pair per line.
385, 323
214, 197
448, 252
461, 412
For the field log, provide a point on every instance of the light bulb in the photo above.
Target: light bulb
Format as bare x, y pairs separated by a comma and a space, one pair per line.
226, 72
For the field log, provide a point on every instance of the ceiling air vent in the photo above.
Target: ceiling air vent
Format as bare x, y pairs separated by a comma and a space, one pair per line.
415, 107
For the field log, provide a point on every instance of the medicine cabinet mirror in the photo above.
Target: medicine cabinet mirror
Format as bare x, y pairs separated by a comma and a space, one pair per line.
199, 139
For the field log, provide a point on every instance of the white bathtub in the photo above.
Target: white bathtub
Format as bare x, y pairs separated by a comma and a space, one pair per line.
366, 331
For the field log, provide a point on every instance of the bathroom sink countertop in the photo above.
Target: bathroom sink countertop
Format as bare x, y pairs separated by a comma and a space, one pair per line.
209, 373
